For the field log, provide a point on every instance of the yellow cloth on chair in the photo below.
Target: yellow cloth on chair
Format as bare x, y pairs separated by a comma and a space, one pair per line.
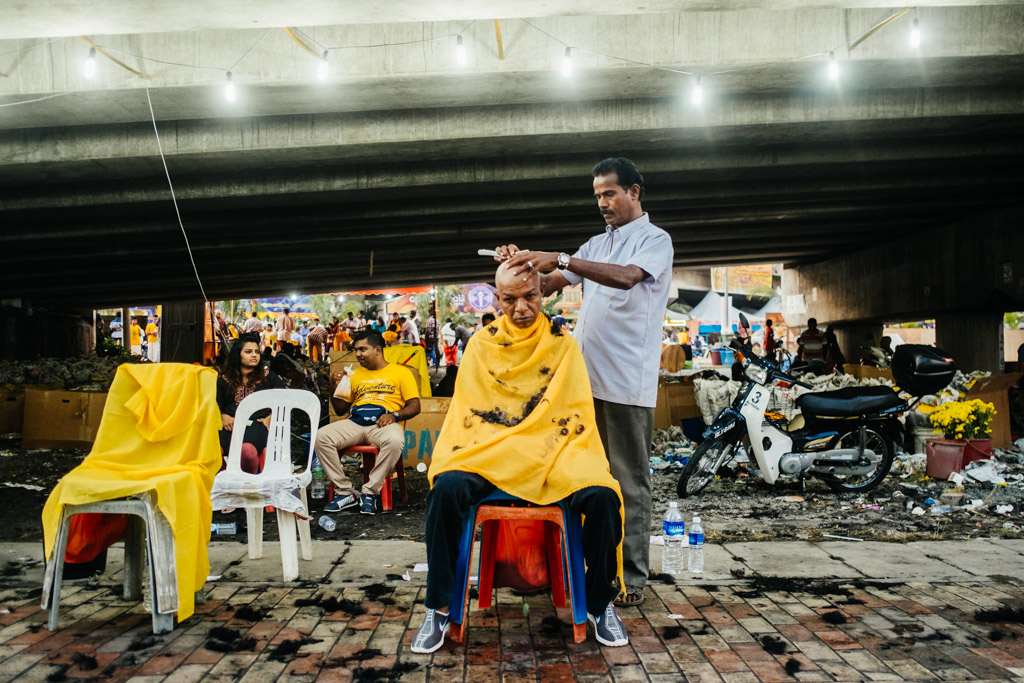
523, 417
158, 432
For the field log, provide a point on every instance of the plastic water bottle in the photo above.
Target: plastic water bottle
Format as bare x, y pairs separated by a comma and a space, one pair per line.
318, 487
327, 524
696, 560
675, 540
223, 528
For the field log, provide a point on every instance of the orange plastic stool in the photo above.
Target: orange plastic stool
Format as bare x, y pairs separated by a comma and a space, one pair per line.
498, 520
369, 455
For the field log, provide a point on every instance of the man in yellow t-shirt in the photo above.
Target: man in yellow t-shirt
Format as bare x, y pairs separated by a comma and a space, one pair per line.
380, 396
153, 337
136, 338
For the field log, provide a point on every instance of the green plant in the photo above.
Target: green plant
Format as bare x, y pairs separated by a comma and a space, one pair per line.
1013, 319
548, 307
445, 295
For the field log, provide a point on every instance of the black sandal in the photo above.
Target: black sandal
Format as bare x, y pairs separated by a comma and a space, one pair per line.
632, 597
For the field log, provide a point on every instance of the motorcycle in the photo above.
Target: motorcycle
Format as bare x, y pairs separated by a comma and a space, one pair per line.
848, 434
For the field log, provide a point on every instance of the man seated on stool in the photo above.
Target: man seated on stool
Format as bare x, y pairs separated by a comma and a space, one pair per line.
522, 420
380, 395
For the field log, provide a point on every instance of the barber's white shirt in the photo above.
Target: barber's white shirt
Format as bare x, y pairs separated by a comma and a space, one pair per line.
619, 330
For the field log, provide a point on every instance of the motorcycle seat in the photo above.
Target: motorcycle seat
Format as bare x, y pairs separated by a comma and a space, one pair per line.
848, 402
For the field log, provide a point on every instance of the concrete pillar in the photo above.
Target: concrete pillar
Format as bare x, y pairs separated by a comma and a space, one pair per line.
973, 338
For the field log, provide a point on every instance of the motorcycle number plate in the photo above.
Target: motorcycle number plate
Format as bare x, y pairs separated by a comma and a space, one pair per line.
759, 398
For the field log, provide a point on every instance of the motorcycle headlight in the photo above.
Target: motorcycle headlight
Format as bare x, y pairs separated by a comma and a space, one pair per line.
756, 373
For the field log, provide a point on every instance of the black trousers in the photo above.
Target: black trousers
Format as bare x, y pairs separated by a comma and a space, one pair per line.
455, 493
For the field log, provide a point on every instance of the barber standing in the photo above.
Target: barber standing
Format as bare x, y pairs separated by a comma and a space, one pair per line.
626, 273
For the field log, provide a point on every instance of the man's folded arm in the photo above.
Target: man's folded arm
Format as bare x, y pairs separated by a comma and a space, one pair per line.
410, 410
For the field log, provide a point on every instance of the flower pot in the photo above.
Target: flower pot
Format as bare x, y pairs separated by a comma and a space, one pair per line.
945, 457
977, 449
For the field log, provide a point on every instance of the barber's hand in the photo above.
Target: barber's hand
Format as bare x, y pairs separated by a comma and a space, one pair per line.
505, 252
526, 262
385, 420
227, 422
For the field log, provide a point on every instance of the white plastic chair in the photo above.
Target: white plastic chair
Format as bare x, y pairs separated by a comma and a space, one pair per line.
276, 484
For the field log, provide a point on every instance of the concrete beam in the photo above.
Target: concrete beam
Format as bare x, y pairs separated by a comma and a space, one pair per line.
71, 17
974, 266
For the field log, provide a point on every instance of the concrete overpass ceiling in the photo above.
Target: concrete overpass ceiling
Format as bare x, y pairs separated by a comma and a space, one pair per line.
403, 154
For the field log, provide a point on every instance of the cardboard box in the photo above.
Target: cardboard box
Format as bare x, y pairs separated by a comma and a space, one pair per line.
12, 411
995, 390
867, 372
61, 419
676, 402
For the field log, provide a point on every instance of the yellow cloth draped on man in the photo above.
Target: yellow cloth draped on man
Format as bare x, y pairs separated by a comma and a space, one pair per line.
523, 417
158, 432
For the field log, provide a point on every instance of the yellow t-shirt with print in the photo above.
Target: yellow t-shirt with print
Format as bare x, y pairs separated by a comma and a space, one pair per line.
151, 332
390, 387
136, 335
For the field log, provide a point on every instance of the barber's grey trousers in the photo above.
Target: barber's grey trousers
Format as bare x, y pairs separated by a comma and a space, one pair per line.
626, 433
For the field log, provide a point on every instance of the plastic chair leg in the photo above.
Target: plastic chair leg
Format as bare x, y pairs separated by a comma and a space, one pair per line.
254, 532
304, 537
134, 558
289, 549
485, 573
556, 563
51, 592
400, 471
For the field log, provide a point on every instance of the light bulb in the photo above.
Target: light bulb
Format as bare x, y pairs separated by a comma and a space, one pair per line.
229, 89
833, 66
567, 63
321, 70
460, 51
915, 35
90, 63
698, 91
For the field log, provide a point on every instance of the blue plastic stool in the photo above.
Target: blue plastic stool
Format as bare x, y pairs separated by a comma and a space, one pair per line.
572, 575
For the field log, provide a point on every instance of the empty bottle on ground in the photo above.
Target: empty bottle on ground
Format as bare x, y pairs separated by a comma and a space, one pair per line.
675, 540
696, 561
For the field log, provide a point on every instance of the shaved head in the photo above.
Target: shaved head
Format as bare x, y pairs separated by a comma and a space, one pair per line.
518, 295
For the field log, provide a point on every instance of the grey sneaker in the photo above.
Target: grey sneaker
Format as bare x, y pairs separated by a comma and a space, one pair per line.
430, 636
608, 628
368, 504
339, 503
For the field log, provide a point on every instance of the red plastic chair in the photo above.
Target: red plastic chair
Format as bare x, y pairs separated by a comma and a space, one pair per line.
499, 520
369, 455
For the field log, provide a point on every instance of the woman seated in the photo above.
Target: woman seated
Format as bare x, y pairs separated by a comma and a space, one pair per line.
243, 374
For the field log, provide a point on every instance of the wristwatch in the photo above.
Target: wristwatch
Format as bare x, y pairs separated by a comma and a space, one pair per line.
394, 414
563, 261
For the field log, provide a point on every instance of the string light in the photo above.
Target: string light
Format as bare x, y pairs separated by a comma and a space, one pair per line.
567, 63
833, 66
229, 89
915, 35
460, 51
90, 63
321, 70
698, 91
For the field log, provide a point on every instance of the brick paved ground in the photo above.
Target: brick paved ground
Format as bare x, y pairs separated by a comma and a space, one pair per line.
759, 630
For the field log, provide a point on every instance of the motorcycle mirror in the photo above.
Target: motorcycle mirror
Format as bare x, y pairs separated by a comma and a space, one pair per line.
744, 323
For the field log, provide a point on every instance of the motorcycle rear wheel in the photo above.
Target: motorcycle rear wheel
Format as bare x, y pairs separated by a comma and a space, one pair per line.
700, 469
877, 441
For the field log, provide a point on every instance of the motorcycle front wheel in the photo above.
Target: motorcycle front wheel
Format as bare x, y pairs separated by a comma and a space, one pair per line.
700, 469
875, 441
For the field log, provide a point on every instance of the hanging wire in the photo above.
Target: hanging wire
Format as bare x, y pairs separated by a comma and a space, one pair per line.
174, 199
29, 47
265, 34
406, 42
